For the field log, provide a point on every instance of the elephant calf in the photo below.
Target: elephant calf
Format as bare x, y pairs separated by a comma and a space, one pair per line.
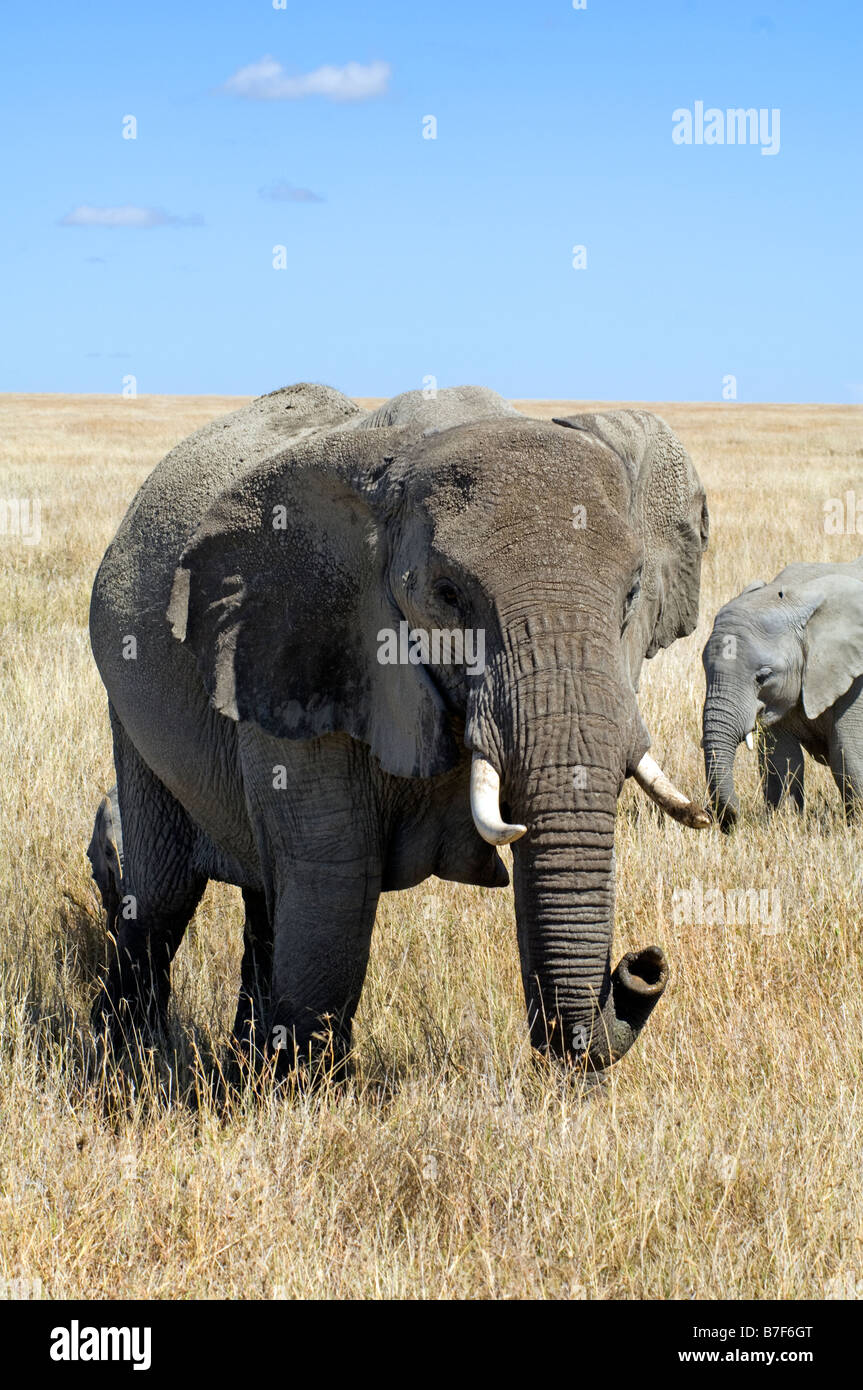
105, 852
788, 657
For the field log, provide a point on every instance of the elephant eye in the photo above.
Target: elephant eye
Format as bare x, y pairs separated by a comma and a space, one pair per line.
447, 592
631, 599
762, 674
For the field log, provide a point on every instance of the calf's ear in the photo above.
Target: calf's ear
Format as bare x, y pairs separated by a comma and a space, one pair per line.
832, 642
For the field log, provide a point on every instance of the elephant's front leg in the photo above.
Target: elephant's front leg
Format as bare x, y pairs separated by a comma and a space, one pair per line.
846, 747
319, 809
322, 934
780, 763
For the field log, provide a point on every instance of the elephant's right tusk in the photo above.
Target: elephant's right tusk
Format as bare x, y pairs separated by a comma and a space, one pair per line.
750, 741
485, 805
659, 788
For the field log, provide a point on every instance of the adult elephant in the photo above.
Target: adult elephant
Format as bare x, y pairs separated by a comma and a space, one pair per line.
787, 656
244, 620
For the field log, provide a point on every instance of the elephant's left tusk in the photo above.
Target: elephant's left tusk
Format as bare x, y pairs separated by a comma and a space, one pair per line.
659, 788
485, 805
750, 741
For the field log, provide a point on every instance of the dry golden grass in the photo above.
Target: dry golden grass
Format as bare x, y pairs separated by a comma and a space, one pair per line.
724, 1157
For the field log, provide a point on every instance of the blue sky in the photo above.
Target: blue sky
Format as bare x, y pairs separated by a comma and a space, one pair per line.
452, 258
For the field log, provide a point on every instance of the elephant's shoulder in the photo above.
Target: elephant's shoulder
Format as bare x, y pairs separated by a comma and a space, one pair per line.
247, 437
216, 458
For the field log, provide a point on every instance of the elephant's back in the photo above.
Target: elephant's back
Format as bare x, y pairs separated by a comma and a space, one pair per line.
137, 570
418, 411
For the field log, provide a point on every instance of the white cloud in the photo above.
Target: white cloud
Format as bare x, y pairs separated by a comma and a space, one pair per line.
127, 216
267, 80
286, 193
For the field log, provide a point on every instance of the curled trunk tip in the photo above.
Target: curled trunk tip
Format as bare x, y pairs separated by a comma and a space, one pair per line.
642, 974
637, 985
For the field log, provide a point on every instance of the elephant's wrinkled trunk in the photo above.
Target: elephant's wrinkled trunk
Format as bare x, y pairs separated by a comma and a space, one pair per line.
562, 757
719, 767
724, 729
564, 903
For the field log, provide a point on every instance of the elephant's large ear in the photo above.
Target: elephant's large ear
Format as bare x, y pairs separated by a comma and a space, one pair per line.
282, 595
668, 510
832, 642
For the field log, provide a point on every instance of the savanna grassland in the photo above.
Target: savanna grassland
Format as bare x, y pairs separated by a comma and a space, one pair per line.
722, 1160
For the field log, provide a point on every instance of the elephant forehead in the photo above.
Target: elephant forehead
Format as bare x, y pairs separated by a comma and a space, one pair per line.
506, 472
748, 631
770, 611
731, 643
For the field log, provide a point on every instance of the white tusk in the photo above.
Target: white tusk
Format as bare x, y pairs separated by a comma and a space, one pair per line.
750, 741
652, 779
485, 805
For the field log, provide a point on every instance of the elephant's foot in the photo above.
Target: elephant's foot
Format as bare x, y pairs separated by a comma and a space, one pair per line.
248, 1050
320, 1058
131, 1008
262, 1056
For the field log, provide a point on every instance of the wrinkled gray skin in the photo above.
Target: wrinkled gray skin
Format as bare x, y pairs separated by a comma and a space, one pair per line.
788, 656
258, 740
105, 852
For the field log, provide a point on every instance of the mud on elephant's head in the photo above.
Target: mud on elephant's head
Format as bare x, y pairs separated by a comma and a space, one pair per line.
560, 554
